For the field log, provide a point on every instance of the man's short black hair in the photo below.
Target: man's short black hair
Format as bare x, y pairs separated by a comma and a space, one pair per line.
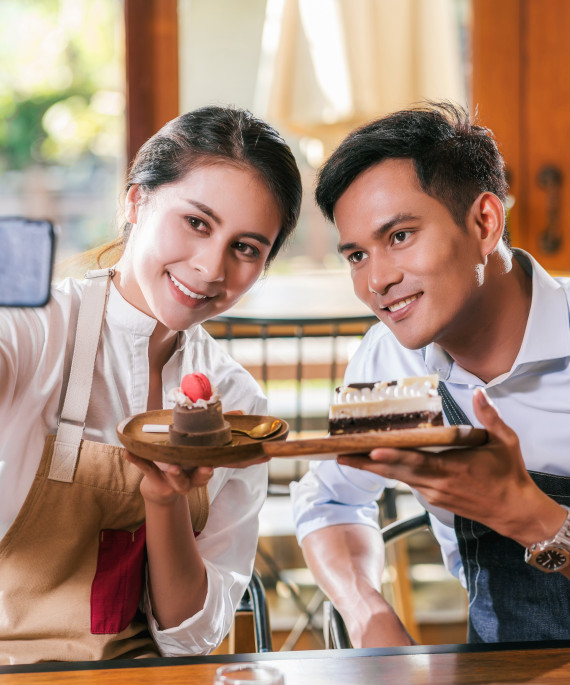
455, 160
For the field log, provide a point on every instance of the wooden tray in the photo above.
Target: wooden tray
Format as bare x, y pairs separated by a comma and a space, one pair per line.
156, 446
330, 447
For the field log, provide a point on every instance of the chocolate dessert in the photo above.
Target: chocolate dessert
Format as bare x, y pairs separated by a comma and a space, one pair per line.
197, 418
388, 405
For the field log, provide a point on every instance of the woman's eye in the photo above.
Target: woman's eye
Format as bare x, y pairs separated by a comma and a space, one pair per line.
196, 223
355, 257
246, 249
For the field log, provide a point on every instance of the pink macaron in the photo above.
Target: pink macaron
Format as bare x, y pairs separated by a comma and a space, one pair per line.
196, 386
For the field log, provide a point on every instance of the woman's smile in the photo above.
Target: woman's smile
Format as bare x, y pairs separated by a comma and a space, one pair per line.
185, 296
198, 244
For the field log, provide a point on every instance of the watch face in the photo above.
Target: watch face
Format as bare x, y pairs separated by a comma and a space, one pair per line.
551, 559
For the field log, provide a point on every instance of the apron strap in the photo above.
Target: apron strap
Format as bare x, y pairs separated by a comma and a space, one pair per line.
453, 412
87, 337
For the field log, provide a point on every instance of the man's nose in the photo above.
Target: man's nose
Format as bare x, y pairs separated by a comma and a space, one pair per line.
382, 274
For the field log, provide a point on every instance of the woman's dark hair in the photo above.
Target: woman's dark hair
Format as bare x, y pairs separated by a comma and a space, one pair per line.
224, 134
455, 160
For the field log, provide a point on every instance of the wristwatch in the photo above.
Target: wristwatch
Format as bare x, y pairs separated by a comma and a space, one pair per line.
551, 555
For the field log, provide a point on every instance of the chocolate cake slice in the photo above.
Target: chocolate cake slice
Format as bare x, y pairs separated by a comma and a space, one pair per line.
386, 405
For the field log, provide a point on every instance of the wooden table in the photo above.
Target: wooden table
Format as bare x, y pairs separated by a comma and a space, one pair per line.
438, 665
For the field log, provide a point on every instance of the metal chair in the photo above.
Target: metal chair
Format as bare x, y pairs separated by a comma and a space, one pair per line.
334, 628
252, 608
300, 350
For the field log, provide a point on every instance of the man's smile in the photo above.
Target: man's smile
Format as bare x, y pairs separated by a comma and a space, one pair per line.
400, 304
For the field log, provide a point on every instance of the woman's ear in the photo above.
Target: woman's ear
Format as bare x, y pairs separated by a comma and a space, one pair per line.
488, 217
132, 203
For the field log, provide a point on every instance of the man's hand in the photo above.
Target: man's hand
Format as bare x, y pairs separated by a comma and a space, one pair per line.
489, 484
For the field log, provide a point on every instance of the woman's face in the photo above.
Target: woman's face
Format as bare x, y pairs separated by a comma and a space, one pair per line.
198, 244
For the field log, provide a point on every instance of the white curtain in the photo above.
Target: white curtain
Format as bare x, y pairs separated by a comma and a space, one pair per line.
331, 65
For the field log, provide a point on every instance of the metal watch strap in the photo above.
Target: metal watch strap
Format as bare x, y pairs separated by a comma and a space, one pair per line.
561, 541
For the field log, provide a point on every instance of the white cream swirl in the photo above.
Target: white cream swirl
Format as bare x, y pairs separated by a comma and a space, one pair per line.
416, 386
176, 396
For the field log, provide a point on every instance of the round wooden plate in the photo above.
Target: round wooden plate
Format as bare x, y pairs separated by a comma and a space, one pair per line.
157, 447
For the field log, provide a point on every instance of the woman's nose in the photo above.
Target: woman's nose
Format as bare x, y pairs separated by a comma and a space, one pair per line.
210, 263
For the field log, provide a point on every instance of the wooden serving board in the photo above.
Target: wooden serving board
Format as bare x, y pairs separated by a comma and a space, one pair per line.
328, 448
157, 447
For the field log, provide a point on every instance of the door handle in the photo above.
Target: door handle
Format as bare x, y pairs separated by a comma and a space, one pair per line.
550, 179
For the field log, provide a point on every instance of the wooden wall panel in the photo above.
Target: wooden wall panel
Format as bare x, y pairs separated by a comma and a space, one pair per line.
496, 86
520, 49
151, 43
546, 102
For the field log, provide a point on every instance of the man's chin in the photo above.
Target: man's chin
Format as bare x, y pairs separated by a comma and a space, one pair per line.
411, 342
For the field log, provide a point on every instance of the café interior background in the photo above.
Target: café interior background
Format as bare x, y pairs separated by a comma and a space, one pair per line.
313, 68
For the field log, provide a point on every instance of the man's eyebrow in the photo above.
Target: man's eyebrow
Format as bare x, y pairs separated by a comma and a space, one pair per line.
210, 212
401, 218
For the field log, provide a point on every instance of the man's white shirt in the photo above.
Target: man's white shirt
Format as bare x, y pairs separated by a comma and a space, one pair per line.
533, 398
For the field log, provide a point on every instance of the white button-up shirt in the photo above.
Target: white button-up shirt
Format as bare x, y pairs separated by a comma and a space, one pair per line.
35, 357
533, 398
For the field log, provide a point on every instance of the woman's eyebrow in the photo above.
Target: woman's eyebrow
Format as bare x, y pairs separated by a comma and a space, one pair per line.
210, 212
257, 236
207, 210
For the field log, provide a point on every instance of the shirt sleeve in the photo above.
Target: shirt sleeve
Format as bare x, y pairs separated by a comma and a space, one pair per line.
445, 535
228, 542
227, 545
330, 494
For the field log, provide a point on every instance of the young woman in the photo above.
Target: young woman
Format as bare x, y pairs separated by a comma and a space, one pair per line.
210, 199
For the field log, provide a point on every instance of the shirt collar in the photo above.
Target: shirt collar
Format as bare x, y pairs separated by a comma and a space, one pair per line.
547, 334
122, 314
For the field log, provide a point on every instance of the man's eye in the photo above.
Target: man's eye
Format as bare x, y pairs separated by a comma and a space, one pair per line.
355, 257
400, 236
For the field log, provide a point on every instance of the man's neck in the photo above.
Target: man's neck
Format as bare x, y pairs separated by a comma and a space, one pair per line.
491, 347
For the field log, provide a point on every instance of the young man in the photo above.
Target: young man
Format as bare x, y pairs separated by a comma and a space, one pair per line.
418, 199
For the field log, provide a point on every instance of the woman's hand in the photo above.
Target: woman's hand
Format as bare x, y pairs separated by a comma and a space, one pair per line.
489, 484
164, 483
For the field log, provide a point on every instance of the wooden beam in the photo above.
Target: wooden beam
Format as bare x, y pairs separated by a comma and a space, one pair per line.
151, 56
496, 92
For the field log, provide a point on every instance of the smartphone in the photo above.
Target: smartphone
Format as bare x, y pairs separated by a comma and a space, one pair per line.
27, 249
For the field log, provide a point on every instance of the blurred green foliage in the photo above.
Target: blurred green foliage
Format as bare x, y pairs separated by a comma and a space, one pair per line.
61, 81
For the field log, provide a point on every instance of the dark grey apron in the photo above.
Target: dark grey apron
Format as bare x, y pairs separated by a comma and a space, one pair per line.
509, 601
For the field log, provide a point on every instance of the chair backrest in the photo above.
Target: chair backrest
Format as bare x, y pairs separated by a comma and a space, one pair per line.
251, 631
299, 351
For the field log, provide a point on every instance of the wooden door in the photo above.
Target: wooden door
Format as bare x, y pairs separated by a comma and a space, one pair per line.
521, 89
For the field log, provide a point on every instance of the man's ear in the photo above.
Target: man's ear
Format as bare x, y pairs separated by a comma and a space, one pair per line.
487, 215
132, 203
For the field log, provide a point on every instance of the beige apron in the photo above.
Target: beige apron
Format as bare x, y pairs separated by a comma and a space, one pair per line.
72, 564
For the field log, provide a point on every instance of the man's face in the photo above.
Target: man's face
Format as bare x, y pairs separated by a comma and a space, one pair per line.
411, 263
